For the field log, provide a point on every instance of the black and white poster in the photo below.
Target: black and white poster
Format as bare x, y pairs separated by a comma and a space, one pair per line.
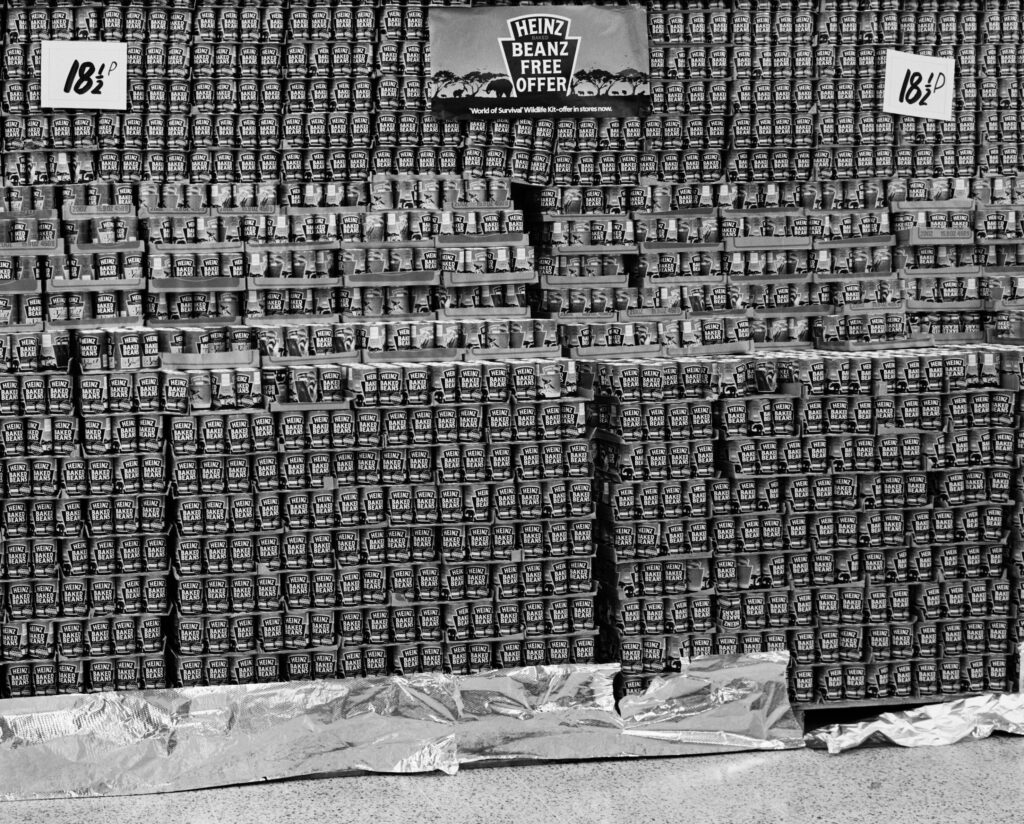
539, 61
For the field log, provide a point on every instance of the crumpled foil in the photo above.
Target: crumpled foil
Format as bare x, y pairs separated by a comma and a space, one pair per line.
186, 739
930, 726
933, 725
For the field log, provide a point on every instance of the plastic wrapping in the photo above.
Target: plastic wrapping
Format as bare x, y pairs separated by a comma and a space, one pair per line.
170, 740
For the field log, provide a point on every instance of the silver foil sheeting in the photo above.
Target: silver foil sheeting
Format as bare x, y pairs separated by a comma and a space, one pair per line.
932, 725
929, 726
170, 740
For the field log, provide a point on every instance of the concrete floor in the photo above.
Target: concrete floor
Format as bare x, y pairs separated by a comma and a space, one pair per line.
969, 782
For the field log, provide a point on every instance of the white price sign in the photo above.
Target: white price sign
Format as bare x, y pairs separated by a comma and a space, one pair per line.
79, 74
919, 86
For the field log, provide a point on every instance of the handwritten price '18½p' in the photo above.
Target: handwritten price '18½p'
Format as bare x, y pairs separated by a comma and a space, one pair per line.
911, 91
85, 78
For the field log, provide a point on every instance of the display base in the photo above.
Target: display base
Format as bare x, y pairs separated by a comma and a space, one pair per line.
186, 739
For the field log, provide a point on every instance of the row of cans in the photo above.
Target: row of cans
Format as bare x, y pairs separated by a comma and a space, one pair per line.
143, 128
787, 416
399, 426
35, 234
353, 302
927, 327
419, 384
892, 25
874, 606
367, 585
697, 498
252, 95
344, 429
753, 535
825, 568
28, 199
925, 370
272, 23
780, 609
874, 644
394, 227
368, 302
852, 194
216, 474
102, 555
43, 557
246, 512
106, 230
426, 335
47, 639
295, 59
953, 289
666, 300
104, 516
838, 163
804, 606
372, 662
348, 547
922, 679
269, 632
95, 675
141, 392
81, 597
824, 60
157, 58
783, 165
427, 194
883, 496
309, 265
654, 654
316, 165
388, 256
723, 496
769, 458
115, 304
826, 530
116, 23
39, 436
226, 305
894, 451
126, 474
759, 297
250, 165
995, 115
693, 613
105, 266
913, 262
682, 334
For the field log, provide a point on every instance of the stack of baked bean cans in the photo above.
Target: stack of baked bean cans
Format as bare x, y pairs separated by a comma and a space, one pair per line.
289, 390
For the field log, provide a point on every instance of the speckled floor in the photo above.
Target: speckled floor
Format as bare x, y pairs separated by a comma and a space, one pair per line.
980, 781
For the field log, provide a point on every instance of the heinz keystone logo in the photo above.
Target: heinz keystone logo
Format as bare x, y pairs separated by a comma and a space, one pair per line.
540, 55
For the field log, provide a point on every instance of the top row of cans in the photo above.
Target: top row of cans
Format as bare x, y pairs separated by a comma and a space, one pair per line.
898, 23
246, 23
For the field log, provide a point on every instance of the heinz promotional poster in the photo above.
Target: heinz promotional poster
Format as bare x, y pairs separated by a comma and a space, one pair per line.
549, 61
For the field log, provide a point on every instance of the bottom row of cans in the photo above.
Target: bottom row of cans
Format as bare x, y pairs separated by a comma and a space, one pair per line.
902, 679
102, 674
